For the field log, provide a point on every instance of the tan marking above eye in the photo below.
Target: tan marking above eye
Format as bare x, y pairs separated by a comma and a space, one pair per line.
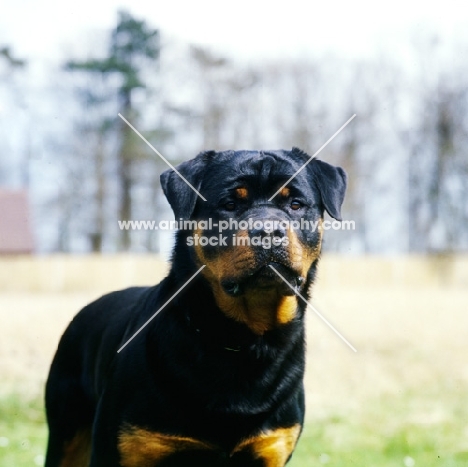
242, 193
285, 192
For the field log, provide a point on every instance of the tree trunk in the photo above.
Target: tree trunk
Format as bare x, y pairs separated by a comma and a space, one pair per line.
125, 171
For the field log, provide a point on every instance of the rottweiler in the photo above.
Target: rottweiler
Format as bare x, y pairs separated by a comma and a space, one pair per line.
214, 376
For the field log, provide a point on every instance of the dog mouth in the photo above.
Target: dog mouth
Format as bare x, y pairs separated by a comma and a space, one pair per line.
273, 275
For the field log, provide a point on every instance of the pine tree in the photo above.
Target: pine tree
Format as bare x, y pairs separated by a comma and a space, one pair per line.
133, 45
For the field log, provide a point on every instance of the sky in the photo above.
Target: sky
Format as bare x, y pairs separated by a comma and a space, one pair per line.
43, 32
44, 29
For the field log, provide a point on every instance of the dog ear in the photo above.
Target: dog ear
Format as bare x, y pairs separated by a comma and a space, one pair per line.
331, 182
180, 195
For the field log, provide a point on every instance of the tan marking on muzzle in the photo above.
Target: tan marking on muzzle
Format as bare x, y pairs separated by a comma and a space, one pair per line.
260, 310
303, 256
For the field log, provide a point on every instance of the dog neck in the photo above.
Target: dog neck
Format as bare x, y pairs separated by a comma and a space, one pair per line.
217, 331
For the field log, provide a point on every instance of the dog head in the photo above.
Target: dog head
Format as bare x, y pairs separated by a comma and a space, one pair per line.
257, 235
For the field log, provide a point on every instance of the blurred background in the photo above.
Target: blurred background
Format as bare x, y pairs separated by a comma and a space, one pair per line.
254, 75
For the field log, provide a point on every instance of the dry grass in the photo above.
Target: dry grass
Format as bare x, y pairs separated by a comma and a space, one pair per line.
31, 327
401, 396
406, 339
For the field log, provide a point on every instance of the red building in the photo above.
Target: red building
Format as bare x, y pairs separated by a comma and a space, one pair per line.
15, 223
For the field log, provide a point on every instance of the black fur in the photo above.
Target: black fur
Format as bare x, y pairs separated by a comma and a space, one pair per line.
193, 371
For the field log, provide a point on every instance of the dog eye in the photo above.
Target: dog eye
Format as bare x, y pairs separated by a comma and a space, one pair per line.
295, 205
230, 206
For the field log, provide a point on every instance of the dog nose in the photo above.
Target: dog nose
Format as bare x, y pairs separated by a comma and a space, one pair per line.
262, 232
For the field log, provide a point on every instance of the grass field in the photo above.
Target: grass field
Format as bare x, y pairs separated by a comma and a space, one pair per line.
401, 400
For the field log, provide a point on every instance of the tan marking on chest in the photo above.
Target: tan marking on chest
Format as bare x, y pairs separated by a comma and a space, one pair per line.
273, 447
77, 452
139, 447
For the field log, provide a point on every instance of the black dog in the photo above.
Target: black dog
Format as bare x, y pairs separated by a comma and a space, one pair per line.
216, 378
